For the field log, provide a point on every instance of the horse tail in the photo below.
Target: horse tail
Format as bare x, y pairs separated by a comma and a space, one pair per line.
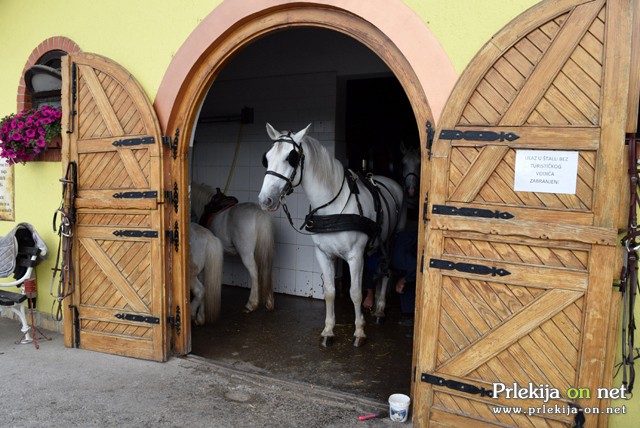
213, 278
264, 257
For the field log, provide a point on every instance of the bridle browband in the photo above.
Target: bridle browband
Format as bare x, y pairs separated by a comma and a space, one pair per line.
295, 158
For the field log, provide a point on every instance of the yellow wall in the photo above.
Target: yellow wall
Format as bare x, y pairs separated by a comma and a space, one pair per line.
143, 36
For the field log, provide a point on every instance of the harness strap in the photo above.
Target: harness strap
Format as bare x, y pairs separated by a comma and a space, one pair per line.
629, 275
309, 216
64, 255
342, 222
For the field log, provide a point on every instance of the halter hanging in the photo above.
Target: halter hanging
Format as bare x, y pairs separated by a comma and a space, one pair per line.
64, 258
295, 158
629, 277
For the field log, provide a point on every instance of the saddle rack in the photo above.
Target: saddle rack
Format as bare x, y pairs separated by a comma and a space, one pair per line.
20, 251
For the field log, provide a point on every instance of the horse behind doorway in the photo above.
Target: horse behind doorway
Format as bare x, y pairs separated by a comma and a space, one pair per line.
350, 214
247, 231
206, 255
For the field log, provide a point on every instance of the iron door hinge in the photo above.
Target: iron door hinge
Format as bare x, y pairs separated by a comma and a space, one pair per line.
174, 236
136, 233
454, 134
128, 142
430, 137
76, 326
173, 196
178, 322
138, 318
425, 206
468, 268
172, 144
454, 384
151, 194
470, 212
422, 263
74, 97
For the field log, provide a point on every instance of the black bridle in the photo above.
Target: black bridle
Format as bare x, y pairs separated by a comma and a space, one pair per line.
295, 158
406, 177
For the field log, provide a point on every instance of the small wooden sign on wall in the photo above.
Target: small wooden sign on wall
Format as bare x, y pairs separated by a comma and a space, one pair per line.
7, 212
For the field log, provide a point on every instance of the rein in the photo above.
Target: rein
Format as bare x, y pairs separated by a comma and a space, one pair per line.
629, 276
64, 264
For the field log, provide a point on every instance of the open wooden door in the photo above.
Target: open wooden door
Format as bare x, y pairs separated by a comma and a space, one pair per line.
521, 248
118, 305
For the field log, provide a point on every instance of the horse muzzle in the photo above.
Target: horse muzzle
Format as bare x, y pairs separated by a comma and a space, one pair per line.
269, 204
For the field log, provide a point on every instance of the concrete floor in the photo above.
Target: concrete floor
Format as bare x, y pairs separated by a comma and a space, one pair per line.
284, 344
67, 387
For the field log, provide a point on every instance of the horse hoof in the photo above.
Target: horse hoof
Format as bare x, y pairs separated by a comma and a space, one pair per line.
326, 341
379, 319
359, 341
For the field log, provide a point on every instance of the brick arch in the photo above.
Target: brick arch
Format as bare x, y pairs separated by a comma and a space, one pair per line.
59, 43
24, 98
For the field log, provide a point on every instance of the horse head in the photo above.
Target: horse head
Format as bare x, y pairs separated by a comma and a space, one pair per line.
410, 169
283, 161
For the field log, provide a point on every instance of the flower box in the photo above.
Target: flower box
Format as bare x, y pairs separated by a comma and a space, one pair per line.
24, 136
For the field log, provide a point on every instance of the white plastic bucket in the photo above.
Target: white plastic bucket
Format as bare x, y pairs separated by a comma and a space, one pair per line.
399, 407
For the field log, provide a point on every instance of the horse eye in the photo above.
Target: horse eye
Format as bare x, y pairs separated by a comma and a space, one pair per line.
264, 160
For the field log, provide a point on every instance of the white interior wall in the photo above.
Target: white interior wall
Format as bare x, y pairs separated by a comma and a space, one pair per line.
301, 99
290, 79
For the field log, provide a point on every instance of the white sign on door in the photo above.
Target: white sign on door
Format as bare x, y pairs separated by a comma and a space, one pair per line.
546, 171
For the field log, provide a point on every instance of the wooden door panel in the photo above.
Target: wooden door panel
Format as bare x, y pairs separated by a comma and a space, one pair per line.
486, 175
119, 236
517, 288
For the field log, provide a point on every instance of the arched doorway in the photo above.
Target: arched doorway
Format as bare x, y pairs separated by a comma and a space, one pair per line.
389, 29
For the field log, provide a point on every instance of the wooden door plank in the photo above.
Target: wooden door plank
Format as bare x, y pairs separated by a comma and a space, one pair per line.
596, 322
549, 66
115, 276
550, 303
615, 86
133, 168
478, 174
569, 232
101, 100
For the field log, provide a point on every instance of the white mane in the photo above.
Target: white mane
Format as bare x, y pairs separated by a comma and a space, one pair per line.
201, 194
325, 166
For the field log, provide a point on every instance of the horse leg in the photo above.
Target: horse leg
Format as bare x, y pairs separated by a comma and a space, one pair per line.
381, 295
356, 264
328, 284
252, 268
197, 300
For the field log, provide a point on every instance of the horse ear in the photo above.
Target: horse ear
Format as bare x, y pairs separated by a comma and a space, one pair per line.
298, 136
273, 134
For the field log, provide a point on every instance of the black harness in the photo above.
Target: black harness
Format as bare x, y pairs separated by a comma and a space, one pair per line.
315, 223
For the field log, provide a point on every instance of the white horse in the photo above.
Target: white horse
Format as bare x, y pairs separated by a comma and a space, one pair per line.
347, 217
247, 231
410, 170
206, 255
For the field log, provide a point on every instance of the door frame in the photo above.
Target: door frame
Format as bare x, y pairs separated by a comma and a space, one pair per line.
387, 27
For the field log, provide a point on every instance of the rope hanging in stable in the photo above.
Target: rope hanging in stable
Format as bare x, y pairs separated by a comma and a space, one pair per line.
629, 276
64, 256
